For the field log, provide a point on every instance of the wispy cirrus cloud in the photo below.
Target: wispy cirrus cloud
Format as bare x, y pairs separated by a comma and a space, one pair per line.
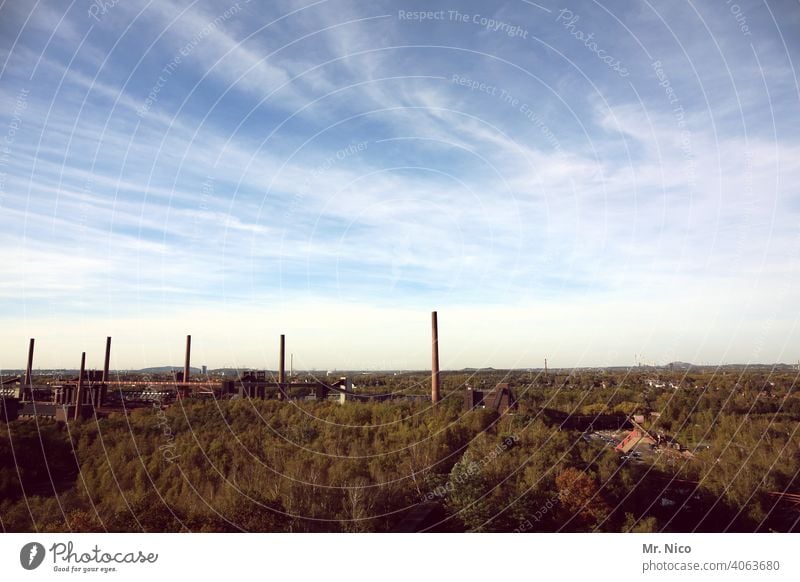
333, 154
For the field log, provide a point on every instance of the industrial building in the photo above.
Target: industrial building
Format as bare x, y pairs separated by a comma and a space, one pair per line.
93, 392
501, 399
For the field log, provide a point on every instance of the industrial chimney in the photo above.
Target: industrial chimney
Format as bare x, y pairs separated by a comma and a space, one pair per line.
28, 384
282, 368
434, 359
79, 391
188, 358
107, 360
282, 361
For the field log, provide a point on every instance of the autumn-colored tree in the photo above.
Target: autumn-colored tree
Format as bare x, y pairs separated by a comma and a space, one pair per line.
580, 496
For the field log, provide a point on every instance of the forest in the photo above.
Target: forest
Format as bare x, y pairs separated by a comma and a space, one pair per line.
231, 465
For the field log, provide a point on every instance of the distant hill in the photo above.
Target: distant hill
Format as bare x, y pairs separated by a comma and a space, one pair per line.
681, 365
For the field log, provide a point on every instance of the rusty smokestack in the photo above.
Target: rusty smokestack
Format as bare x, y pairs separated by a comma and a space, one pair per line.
29, 369
435, 394
107, 361
282, 369
79, 391
188, 358
282, 361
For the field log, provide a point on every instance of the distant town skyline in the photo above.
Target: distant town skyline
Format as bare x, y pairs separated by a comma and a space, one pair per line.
579, 183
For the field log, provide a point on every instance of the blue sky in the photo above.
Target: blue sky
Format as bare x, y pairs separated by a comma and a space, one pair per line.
583, 182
